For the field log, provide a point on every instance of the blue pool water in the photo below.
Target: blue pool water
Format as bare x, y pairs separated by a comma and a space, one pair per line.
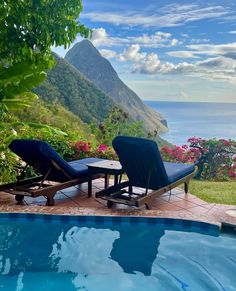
114, 254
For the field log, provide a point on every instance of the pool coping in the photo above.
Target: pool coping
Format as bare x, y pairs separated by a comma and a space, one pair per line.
168, 223
82, 211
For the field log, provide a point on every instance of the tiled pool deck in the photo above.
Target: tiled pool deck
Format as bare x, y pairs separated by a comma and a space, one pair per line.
74, 201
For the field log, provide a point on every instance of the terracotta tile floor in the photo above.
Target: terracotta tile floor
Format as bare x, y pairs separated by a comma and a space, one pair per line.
74, 201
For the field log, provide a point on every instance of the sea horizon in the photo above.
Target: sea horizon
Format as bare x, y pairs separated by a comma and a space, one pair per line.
201, 119
205, 102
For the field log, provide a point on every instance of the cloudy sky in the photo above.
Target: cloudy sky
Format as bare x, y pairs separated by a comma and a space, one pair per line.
168, 50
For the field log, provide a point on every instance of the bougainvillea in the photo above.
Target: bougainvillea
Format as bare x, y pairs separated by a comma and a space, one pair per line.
215, 159
85, 149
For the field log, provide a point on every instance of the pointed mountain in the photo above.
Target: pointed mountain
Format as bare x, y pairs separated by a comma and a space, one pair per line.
87, 59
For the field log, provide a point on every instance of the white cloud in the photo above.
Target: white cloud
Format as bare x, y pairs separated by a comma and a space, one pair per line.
212, 50
168, 16
156, 40
101, 38
143, 62
147, 65
214, 68
232, 32
159, 39
219, 62
219, 68
182, 54
199, 40
132, 54
108, 54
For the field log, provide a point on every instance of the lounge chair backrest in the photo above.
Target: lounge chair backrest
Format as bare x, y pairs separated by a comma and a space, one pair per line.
40, 155
142, 162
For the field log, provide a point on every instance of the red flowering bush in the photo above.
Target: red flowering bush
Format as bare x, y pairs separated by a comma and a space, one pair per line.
82, 149
215, 159
85, 149
179, 154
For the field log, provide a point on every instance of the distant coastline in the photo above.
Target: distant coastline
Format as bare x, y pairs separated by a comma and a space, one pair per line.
201, 119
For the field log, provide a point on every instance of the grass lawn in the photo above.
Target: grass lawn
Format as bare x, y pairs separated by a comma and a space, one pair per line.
214, 192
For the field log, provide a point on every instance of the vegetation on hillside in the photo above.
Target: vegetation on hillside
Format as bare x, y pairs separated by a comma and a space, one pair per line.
69, 87
55, 115
87, 59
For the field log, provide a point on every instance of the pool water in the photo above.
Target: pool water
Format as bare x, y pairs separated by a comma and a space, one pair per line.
43, 255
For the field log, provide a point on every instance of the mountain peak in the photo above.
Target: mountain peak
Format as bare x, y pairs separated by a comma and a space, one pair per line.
83, 48
87, 59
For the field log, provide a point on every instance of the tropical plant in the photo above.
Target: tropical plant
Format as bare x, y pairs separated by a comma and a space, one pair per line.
117, 123
215, 159
28, 30
85, 149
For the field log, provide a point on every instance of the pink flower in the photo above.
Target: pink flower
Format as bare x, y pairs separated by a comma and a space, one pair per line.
184, 146
102, 147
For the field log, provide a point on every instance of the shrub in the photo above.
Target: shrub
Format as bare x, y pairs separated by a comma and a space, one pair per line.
215, 159
117, 123
10, 164
85, 149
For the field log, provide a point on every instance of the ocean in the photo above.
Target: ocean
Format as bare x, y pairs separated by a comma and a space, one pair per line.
205, 120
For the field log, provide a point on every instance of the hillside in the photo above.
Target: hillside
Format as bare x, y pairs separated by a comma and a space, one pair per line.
70, 88
86, 58
53, 114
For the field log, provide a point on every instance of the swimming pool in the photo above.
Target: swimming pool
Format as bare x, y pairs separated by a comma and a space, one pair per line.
47, 252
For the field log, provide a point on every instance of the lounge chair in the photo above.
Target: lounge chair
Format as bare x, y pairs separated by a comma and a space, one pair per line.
55, 173
142, 162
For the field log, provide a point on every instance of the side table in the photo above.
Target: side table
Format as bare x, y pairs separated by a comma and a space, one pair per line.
108, 168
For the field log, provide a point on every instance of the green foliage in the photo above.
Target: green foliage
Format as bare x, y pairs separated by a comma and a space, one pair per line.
10, 164
8, 161
67, 86
54, 115
28, 29
84, 149
117, 123
215, 159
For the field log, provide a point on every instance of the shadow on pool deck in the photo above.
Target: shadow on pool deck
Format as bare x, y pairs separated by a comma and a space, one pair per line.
75, 201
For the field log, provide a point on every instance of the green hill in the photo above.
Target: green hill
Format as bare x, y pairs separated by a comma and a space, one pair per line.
71, 89
55, 115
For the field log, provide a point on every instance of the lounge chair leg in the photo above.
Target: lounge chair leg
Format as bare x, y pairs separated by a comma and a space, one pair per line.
109, 204
90, 187
186, 186
19, 198
147, 206
50, 201
106, 183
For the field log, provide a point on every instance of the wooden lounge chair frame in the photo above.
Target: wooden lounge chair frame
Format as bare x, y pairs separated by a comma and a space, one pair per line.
55, 173
123, 193
40, 186
145, 169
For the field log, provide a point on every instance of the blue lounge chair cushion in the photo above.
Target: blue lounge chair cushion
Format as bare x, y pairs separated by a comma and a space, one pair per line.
176, 171
40, 155
141, 161
80, 166
143, 164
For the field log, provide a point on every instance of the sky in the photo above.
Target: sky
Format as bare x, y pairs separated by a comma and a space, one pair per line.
168, 50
